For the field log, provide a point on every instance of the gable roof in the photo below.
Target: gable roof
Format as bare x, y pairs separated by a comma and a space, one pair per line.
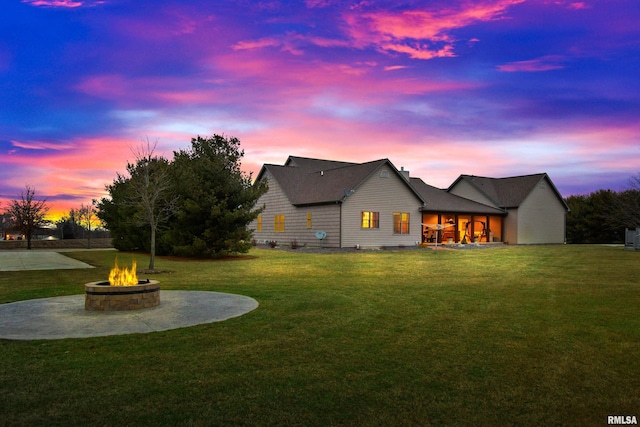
507, 192
308, 181
440, 200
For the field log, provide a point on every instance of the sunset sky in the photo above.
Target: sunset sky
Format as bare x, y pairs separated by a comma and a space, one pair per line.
441, 87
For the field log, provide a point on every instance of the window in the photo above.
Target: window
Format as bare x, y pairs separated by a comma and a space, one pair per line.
308, 219
259, 227
400, 223
370, 220
278, 223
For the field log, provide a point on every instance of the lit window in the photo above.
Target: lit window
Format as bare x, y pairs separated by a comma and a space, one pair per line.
308, 219
401, 223
259, 227
370, 220
278, 223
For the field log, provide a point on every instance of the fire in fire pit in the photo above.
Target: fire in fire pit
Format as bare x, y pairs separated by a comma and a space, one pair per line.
123, 291
123, 276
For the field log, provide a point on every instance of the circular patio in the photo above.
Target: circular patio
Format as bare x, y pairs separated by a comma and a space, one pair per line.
66, 317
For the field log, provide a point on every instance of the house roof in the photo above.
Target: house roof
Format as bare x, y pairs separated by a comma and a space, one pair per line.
440, 200
507, 192
308, 181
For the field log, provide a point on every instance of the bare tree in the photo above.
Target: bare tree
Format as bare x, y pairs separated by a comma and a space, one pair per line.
152, 192
87, 218
28, 214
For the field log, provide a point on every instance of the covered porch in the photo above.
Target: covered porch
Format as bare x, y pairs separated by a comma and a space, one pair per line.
447, 218
454, 227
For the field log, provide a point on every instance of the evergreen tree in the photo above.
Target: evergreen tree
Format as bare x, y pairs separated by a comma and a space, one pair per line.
217, 199
212, 202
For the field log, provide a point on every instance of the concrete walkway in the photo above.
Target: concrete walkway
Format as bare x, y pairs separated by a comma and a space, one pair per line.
65, 317
18, 260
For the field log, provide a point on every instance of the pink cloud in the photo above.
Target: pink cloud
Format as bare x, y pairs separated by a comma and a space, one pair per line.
545, 63
578, 5
257, 44
41, 145
420, 51
274, 73
318, 3
79, 172
62, 3
395, 67
421, 34
54, 3
110, 86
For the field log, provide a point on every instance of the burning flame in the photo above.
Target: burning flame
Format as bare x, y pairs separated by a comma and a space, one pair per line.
123, 276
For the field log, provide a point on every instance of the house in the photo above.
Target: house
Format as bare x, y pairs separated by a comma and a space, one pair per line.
535, 210
337, 204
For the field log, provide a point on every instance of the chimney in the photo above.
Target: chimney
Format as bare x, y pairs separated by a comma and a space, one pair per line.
404, 172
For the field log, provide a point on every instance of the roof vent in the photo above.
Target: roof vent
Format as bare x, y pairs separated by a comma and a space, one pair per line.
384, 174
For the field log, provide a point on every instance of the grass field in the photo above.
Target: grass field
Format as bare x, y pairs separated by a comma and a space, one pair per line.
542, 335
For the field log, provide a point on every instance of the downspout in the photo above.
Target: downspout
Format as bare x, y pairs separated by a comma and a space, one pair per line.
340, 225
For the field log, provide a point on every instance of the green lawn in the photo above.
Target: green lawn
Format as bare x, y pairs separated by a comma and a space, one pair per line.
543, 335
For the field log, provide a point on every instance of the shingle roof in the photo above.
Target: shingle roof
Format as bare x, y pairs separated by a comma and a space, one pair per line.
315, 164
313, 181
440, 200
507, 192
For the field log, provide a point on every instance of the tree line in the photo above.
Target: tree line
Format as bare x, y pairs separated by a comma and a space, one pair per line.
602, 216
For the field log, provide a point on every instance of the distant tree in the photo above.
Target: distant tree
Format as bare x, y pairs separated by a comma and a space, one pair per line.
28, 214
67, 226
5, 223
595, 218
217, 199
626, 212
87, 218
576, 225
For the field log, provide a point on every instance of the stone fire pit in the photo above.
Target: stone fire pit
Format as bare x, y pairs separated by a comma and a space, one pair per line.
100, 296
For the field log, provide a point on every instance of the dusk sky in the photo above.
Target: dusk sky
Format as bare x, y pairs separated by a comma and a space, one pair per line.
489, 87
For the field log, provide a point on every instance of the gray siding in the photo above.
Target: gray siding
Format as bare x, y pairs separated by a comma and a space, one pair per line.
541, 217
323, 218
511, 226
386, 196
466, 190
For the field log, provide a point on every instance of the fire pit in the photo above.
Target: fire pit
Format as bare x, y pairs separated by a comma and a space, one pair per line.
100, 296
123, 291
